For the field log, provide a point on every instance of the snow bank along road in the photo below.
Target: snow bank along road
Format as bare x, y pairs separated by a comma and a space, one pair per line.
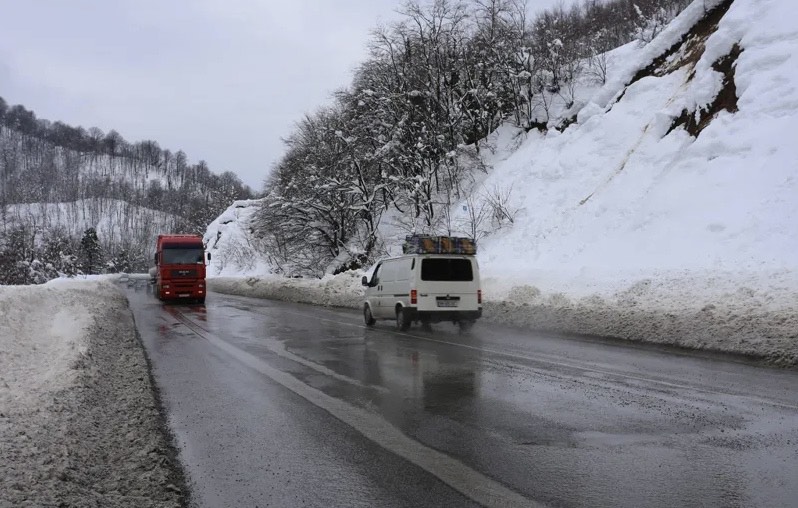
79, 424
754, 315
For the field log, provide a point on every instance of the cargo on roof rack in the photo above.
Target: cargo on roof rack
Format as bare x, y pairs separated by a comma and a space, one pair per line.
424, 244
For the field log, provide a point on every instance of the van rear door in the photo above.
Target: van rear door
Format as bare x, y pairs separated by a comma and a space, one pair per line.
448, 283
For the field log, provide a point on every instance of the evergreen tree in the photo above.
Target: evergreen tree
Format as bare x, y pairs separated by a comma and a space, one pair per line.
90, 252
58, 250
16, 253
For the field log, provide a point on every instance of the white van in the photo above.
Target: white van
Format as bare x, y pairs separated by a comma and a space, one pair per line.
425, 288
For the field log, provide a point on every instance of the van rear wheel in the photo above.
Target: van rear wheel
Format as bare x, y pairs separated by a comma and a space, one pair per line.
367, 317
402, 320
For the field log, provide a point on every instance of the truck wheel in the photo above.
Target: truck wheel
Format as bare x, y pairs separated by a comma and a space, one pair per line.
402, 320
201, 301
367, 317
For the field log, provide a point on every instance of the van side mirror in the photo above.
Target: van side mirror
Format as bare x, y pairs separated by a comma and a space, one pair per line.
209, 256
364, 281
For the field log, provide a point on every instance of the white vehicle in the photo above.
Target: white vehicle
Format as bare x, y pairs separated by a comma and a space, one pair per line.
425, 288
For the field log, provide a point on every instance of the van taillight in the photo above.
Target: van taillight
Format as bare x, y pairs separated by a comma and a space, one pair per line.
413, 297
479, 296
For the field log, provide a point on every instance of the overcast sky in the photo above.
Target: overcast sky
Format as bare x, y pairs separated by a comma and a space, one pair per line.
223, 80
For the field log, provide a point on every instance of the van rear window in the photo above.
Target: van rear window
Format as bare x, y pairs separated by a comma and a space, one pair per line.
451, 269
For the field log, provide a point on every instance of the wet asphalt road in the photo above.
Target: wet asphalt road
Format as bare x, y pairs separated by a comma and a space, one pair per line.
278, 404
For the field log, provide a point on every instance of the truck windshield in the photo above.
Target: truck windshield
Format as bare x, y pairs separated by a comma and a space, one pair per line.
183, 256
446, 269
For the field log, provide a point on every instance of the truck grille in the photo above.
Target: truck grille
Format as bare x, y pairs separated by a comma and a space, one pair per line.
185, 274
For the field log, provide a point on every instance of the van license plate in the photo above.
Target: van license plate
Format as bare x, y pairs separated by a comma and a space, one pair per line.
447, 303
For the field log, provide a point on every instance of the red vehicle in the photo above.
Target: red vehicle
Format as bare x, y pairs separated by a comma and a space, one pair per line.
179, 272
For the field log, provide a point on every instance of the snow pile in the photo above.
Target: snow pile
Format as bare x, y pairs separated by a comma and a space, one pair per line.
230, 241
751, 314
79, 425
342, 290
42, 336
667, 211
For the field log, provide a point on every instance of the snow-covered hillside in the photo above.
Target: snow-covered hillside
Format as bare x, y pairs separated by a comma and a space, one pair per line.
231, 244
114, 220
665, 211
57, 181
39, 241
620, 192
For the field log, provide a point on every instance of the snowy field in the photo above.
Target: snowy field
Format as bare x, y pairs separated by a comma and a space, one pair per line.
79, 425
624, 225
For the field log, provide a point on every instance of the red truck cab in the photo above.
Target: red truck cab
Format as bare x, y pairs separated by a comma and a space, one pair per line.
179, 271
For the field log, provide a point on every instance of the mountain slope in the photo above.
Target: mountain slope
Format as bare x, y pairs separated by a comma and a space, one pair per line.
627, 189
233, 247
665, 210
57, 182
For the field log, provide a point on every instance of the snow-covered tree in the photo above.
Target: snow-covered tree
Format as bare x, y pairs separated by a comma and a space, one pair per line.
436, 82
90, 252
59, 251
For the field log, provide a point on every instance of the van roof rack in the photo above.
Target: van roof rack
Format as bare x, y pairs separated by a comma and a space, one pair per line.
427, 244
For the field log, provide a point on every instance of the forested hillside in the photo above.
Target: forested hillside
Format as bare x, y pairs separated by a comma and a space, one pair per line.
403, 141
75, 200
